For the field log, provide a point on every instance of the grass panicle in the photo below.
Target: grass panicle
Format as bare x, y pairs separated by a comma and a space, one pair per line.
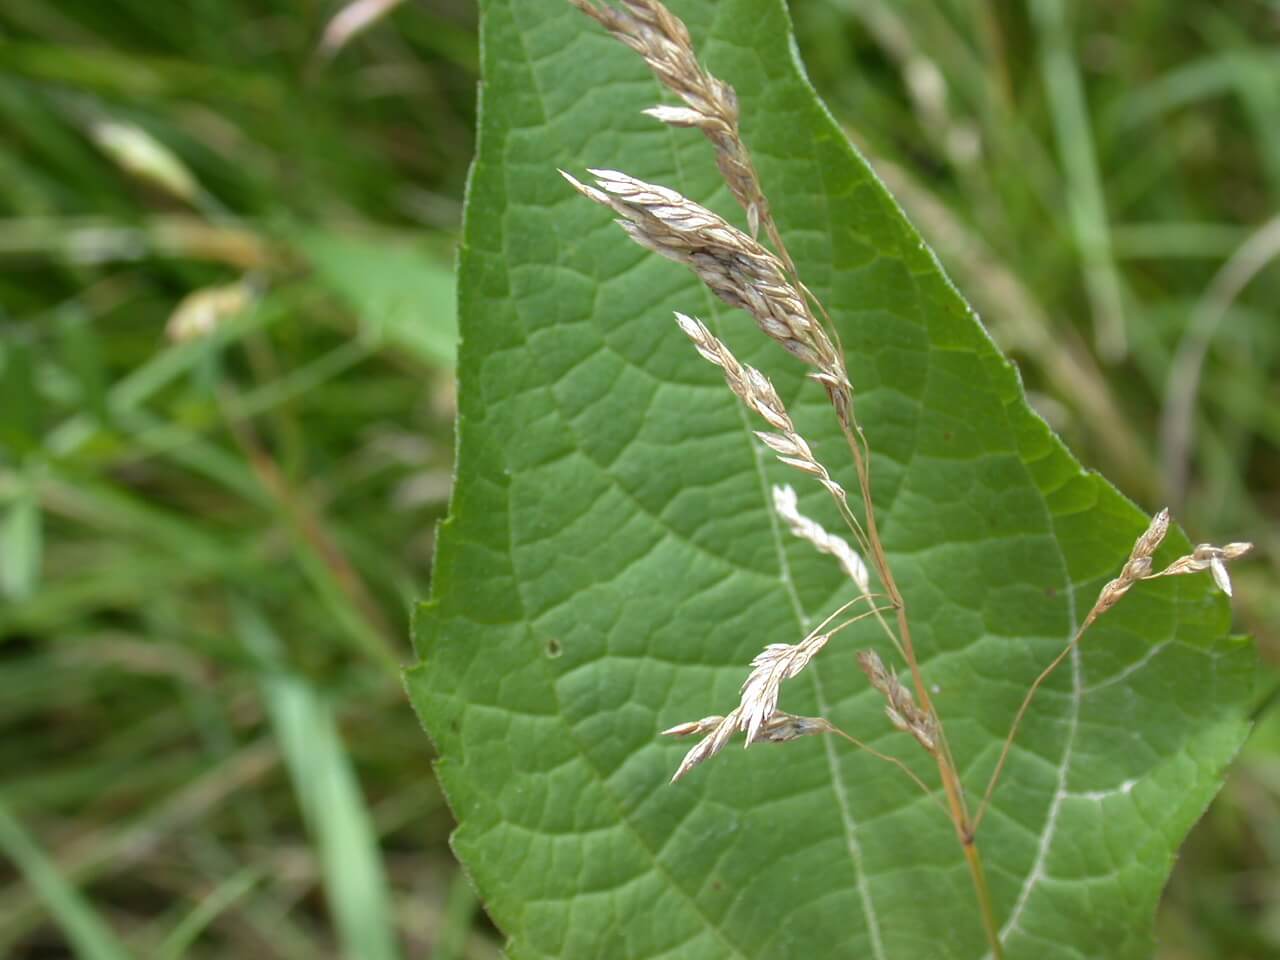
742, 272
711, 105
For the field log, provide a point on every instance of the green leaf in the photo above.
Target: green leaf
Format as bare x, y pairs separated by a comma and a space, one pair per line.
401, 293
610, 566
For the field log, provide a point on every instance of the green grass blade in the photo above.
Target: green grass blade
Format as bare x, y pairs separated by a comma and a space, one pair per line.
1086, 205
329, 794
206, 911
20, 545
88, 933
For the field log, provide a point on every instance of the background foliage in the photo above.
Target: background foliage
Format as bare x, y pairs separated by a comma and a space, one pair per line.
208, 550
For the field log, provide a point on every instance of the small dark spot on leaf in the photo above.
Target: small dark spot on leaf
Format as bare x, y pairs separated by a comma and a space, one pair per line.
553, 647
948, 436
1051, 592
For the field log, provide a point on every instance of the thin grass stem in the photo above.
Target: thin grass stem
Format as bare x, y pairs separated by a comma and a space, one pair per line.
1017, 722
928, 791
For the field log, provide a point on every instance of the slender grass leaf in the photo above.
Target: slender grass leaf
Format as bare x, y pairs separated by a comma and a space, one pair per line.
88, 934
218, 901
21, 545
610, 566
332, 805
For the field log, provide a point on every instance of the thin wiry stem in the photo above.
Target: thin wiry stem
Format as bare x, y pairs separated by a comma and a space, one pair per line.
1205, 557
947, 770
1017, 722
924, 787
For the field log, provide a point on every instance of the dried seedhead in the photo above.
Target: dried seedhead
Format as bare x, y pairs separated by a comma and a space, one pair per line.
756, 391
662, 39
780, 727
1207, 557
785, 505
756, 714
900, 705
1138, 566
736, 268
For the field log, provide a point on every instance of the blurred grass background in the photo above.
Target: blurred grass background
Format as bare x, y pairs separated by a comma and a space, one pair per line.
226, 328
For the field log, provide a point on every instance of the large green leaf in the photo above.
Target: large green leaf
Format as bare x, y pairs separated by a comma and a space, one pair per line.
611, 565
